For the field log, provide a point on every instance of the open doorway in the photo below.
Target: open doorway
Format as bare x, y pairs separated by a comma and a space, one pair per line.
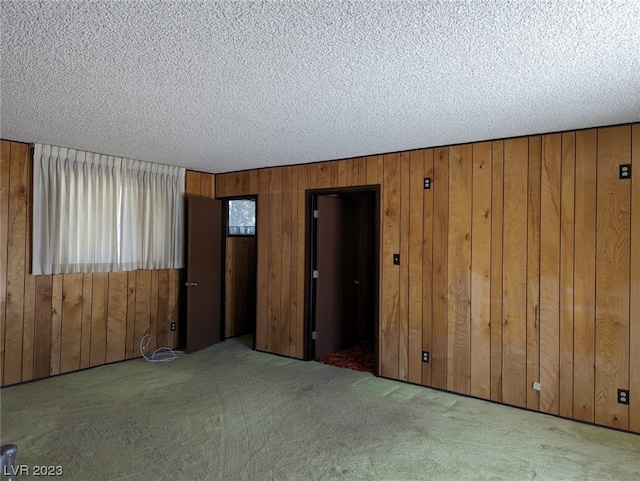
343, 277
240, 265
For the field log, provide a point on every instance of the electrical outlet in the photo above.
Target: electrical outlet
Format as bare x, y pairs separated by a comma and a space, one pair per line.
536, 386
173, 326
623, 396
427, 182
625, 171
425, 356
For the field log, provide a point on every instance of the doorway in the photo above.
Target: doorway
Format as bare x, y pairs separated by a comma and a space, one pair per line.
343, 247
240, 268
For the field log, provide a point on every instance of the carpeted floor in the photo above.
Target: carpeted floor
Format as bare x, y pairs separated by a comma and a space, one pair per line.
359, 358
230, 413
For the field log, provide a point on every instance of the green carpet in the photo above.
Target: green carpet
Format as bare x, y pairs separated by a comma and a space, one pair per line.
229, 413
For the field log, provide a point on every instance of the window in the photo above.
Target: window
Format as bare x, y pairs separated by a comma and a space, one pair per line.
241, 217
99, 213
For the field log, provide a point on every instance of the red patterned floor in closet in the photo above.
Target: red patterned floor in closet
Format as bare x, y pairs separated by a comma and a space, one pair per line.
358, 358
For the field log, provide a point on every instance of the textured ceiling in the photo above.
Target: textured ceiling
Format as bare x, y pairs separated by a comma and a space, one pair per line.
223, 86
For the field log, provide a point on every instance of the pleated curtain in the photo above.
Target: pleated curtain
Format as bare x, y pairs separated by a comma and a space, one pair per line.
100, 213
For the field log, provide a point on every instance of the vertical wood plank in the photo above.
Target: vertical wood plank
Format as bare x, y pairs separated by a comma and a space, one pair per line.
28, 335
153, 314
87, 301
341, 174
174, 308
232, 184
427, 267
374, 170
567, 227
143, 309
533, 272
116, 326
333, 172
230, 306
254, 181
550, 274
56, 324
163, 325
415, 264
313, 176
390, 275
292, 195
42, 348
612, 277
263, 211
71, 322
459, 269
324, 175
207, 185
497, 237
15, 275
440, 266
99, 319
285, 249
514, 332
634, 307
480, 354
275, 260
5, 162
131, 314
352, 172
245, 182
585, 277
303, 183
219, 185
192, 182
403, 291
362, 171
242, 182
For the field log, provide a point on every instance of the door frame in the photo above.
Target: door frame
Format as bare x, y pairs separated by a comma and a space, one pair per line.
310, 258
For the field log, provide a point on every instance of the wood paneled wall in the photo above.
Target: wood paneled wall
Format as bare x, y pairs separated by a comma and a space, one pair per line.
53, 324
521, 264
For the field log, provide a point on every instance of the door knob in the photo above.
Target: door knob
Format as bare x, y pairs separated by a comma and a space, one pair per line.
191, 284
356, 282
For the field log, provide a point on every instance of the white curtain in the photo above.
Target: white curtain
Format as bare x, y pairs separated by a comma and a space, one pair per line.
99, 213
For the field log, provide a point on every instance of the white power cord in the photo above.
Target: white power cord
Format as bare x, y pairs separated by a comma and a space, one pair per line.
162, 354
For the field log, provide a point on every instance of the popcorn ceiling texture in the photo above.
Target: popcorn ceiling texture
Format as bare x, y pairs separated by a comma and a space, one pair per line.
223, 86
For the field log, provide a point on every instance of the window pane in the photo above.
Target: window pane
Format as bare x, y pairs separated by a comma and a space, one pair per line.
242, 217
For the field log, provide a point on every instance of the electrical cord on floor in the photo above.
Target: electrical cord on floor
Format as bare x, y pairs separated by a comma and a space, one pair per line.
162, 354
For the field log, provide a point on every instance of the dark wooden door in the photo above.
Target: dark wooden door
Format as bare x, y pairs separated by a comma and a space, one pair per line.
204, 272
359, 264
329, 285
